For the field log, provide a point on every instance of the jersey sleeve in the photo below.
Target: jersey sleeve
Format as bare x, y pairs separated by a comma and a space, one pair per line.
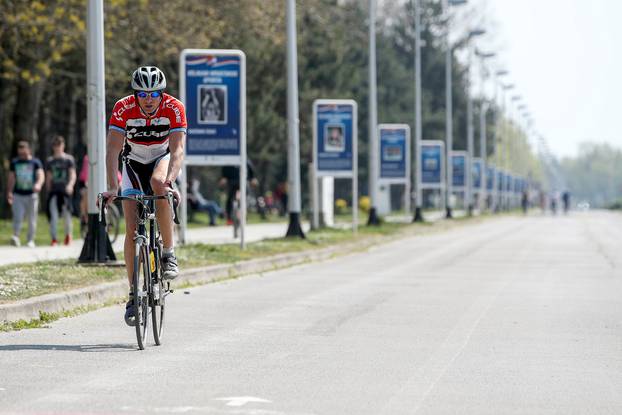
117, 119
177, 115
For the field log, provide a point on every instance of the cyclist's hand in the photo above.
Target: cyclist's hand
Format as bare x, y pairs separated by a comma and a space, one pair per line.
176, 196
109, 196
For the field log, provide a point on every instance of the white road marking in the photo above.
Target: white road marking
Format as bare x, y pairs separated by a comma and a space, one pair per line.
242, 400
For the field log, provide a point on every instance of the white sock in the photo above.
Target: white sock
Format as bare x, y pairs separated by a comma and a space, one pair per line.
168, 251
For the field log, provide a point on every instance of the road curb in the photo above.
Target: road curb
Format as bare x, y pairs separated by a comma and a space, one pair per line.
31, 308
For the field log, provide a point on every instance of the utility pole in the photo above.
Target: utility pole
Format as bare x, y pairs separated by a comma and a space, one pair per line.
373, 119
97, 247
293, 148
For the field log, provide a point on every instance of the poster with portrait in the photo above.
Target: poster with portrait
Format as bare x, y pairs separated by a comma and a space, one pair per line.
394, 153
334, 126
212, 104
212, 87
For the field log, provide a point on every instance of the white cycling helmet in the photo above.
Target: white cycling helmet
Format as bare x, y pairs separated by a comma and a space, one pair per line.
148, 78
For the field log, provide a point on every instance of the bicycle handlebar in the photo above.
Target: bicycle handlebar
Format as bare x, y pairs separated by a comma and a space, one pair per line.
139, 199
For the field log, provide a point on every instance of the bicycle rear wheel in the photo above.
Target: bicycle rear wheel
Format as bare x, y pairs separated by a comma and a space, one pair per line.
158, 303
141, 281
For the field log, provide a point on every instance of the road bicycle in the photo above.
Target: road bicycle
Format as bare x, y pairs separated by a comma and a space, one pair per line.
148, 288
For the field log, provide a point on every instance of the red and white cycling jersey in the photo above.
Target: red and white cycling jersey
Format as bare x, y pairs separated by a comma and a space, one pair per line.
146, 138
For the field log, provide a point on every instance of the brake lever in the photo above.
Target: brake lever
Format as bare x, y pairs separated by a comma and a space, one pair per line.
100, 203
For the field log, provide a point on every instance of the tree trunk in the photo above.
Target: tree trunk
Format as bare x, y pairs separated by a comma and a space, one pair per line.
26, 111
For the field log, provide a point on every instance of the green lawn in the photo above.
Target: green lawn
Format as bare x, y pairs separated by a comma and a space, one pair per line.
42, 235
201, 219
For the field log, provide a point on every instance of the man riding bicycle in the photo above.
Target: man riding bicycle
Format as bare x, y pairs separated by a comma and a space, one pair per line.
149, 129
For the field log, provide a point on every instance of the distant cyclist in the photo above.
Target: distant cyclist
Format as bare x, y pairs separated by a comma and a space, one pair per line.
149, 128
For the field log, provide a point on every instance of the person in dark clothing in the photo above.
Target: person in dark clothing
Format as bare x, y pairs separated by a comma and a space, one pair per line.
61, 178
24, 184
230, 181
566, 201
525, 201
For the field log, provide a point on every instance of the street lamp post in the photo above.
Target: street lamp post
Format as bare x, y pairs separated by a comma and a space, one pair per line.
511, 148
497, 154
373, 118
418, 125
293, 148
470, 130
482, 129
449, 133
97, 247
504, 153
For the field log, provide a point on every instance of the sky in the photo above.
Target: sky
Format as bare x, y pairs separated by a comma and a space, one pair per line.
565, 57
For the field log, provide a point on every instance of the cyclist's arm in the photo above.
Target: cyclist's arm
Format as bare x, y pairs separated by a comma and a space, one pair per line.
176, 144
114, 146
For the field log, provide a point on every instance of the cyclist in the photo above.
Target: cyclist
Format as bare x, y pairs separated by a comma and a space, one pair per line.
149, 129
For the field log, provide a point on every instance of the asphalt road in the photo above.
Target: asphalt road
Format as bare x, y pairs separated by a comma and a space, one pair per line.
509, 316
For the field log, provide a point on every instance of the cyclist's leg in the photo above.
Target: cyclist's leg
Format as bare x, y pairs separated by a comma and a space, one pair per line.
129, 211
130, 185
163, 209
164, 217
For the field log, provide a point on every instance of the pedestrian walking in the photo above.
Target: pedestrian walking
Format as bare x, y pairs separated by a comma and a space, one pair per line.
25, 181
60, 180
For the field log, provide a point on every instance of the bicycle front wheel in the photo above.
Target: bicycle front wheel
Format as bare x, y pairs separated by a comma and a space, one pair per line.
141, 280
158, 303
112, 223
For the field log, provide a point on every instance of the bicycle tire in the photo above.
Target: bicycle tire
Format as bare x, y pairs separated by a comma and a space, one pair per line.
141, 295
158, 304
113, 223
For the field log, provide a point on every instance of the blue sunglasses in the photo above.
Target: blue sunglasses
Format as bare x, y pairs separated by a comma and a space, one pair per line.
154, 94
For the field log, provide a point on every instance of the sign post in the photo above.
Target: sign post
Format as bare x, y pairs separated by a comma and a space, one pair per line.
431, 158
212, 85
500, 189
395, 157
335, 148
459, 172
477, 171
490, 187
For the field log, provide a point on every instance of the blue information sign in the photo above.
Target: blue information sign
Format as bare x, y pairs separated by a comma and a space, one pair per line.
334, 137
508, 182
458, 163
213, 91
431, 163
394, 152
500, 178
490, 178
476, 171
